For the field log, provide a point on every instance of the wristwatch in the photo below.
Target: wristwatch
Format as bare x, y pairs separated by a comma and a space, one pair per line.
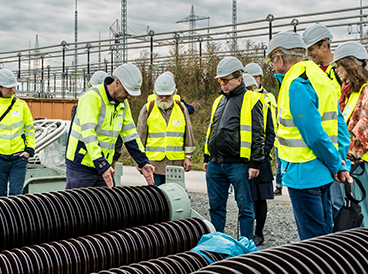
189, 157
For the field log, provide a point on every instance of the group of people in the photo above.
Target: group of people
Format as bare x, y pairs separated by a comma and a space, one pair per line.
318, 127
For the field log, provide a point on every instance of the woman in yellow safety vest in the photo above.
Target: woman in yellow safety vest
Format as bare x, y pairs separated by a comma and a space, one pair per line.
350, 59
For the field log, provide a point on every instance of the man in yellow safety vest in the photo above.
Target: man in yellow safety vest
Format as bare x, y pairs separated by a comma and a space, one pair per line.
165, 129
317, 39
234, 146
103, 114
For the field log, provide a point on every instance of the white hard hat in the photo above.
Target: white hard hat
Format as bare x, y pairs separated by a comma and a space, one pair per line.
130, 77
229, 65
249, 80
353, 49
165, 85
98, 77
169, 73
7, 78
316, 33
286, 40
253, 69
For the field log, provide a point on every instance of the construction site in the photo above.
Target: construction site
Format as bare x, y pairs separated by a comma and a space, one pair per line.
137, 228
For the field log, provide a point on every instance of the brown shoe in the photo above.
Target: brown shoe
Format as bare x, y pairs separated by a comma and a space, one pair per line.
278, 191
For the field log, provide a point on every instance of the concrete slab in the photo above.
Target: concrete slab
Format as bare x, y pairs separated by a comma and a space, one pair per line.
195, 181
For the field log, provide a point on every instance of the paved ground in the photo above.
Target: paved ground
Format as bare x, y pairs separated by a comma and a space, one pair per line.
195, 181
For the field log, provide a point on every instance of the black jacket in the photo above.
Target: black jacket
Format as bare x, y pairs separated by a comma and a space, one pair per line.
265, 171
224, 140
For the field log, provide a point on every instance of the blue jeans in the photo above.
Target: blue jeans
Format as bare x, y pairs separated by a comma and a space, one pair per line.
159, 179
278, 169
337, 199
219, 177
312, 211
12, 171
79, 179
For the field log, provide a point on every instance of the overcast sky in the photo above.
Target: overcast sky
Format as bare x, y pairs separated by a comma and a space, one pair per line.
53, 20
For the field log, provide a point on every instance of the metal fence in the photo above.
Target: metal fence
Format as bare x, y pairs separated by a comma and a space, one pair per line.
50, 71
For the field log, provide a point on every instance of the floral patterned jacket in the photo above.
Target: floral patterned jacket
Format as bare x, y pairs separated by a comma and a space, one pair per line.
358, 125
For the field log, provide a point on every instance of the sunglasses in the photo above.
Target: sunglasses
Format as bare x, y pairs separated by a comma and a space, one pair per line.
226, 81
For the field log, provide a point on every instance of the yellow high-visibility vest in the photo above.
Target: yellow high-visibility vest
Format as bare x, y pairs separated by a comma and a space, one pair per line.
249, 100
16, 129
98, 124
332, 76
349, 108
165, 139
291, 146
269, 102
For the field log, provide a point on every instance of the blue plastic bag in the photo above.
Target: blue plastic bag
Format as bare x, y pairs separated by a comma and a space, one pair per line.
221, 243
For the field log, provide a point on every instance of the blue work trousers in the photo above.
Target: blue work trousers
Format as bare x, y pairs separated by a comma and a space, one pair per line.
219, 177
312, 211
12, 171
79, 179
278, 169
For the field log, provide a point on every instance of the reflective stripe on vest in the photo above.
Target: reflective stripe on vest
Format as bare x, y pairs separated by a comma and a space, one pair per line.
16, 129
291, 146
249, 100
99, 138
165, 139
349, 108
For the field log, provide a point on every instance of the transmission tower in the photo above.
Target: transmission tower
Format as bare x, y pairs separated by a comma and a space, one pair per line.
235, 12
75, 48
36, 55
192, 18
124, 30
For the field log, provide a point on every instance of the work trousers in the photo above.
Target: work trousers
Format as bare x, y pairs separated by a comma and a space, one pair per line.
219, 177
312, 211
79, 179
14, 172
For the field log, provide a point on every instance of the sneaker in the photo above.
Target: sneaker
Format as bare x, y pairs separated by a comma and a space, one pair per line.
258, 240
278, 191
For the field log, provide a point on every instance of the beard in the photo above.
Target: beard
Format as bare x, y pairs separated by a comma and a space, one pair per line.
164, 104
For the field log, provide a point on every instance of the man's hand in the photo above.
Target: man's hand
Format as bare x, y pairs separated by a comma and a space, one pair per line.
147, 171
25, 154
107, 176
205, 166
187, 164
253, 173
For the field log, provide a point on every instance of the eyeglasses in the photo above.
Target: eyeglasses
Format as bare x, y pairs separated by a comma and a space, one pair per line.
226, 81
271, 60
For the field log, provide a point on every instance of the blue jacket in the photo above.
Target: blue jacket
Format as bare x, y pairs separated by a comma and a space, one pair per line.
319, 171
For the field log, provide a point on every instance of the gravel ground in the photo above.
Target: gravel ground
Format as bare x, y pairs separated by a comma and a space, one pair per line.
280, 228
